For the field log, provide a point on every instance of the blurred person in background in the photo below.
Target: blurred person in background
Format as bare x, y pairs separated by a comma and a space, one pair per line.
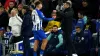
97, 25
0, 4
56, 21
4, 19
52, 6
90, 8
80, 21
1, 39
27, 2
59, 7
26, 31
32, 6
11, 6
15, 27
86, 8
20, 7
67, 18
88, 39
7, 37
78, 40
56, 18
76, 5
82, 40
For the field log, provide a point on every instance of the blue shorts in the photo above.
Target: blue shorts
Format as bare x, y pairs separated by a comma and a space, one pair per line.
39, 35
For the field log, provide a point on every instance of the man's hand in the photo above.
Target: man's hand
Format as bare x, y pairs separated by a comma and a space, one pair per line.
54, 11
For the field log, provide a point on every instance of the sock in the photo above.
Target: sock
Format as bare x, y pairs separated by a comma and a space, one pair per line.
35, 54
41, 52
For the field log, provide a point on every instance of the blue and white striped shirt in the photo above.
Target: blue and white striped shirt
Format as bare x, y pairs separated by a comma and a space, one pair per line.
37, 17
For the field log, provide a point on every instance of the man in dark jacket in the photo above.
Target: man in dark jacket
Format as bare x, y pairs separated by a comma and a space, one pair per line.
78, 40
26, 30
4, 19
67, 18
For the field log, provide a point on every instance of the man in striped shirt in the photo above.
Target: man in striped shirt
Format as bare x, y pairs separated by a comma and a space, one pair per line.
39, 34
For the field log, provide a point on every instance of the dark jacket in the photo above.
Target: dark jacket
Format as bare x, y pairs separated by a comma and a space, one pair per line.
67, 18
4, 20
78, 42
20, 14
55, 41
88, 39
27, 25
54, 38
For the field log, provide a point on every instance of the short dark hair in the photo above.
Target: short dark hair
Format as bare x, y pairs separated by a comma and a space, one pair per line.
84, 0
37, 3
53, 13
77, 27
12, 2
82, 12
26, 7
55, 26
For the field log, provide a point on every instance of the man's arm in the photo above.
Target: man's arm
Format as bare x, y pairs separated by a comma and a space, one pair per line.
41, 15
49, 37
66, 14
60, 37
26, 21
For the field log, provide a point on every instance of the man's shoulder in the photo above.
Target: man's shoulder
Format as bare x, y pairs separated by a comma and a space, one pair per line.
28, 15
34, 11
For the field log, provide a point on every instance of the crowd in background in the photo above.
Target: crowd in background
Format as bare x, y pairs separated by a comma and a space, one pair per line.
86, 20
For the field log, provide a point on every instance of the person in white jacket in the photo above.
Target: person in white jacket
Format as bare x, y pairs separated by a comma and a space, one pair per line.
15, 23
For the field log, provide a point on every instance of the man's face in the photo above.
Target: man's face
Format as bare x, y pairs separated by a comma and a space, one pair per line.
55, 29
40, 6
78, 30
13, 13
80, 16
11, 4
54, 16
84, 4
87, 26
66, 5
23, 11
20, 7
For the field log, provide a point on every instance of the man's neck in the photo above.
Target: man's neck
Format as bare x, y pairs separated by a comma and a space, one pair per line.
37, 8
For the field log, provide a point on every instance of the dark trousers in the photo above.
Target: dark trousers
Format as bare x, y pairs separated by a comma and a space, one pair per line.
84, 54
68, 42
27, 49
15, 39
93, 52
